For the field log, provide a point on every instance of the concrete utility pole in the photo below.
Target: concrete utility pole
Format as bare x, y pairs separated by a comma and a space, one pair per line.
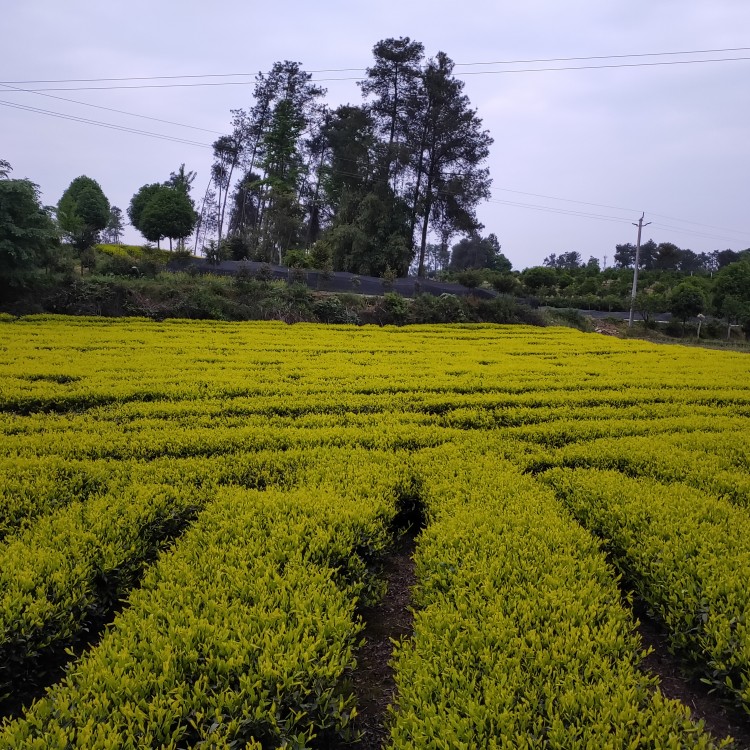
640, 226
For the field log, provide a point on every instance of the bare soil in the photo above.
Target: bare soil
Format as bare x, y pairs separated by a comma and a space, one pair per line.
606, 328
680, 681
388, 621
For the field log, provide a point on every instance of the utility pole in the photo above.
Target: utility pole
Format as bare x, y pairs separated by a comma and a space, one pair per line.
640, 226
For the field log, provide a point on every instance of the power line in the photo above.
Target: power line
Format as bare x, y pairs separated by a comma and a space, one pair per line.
699, 224
357, 78
173, 77
607, 57
566, 200
536, 207
602, 67
704, 235
572, 212
110, 109
603, 217
346, 70
562, 211
98, 123
626, 209
623, 208
529, 206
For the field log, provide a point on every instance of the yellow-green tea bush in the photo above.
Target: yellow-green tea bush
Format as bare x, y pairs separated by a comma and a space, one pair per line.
119, 438
519, 639
687, 555
242, 636
70, 567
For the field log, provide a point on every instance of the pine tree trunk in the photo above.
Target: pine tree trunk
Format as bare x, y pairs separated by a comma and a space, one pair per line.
200, 218
226, 193
426, 223
415, 203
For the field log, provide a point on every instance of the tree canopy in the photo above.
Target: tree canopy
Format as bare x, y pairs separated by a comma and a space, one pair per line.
731, 293
27, 232
164, 210
83, 212
113, 230
364, 186
687, 300
478, 252
168, 213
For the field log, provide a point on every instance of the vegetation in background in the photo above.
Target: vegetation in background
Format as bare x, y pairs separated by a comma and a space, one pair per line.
166, 209
28, 235
83, 212
360, 187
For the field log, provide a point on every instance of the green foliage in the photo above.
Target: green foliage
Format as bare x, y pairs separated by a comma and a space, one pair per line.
479, 252
138, 252
216, 252
537, 277
731, 293
567, 261
83, 212
36, 486
373, 240
27, 233
571, 317
509, 589
503, 283
107, 539
471, 279
331, 309
686, 301
685, 553
130, 260
393, 309
168, 213
113, 230
320, 255
298, 259
447, 308
276, 680
389, 275
264, 274
301, 448
237, 247
158, 211
649, 304
138, 204
449, 162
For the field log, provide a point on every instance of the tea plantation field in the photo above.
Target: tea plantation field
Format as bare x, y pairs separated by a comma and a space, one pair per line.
219, 495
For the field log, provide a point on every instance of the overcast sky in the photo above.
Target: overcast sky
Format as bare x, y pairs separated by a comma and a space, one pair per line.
672, 140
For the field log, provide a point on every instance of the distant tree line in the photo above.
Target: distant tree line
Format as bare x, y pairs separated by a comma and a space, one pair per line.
682, 282
666, 256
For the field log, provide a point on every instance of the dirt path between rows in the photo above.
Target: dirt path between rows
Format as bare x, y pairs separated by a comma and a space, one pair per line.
679, 681
373, 681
